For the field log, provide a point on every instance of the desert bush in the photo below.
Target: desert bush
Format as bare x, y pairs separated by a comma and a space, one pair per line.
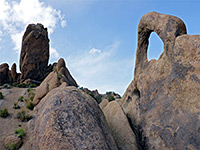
110, 98
4, 113
21, 99
29, 89
32, 85
29, 105
97, 98
20, 132
21, 85
16, 106
109, 93
24, 85
12, 147
21, 115
1, 95
31, 95
59, 75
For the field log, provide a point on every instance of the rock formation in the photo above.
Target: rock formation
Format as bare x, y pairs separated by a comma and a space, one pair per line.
13, 72
4, 74
66, 76
8, 76
119, 126
53, 80
68, 118
103, 103
34, 55
162, 102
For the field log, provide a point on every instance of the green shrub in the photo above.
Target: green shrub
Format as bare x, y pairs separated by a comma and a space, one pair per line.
31, 95
97, 98
21, 115
24, 85
4, 113
12, 147
1, 95
32, 85
16, 106
29, 89
20, 132
21, 99
30, 105
21, 85
109, 93
110, 98
91, 95
59, 75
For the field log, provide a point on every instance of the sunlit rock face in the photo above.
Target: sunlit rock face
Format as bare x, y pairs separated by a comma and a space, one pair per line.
163, 101
34, 55
54, 79
69, 119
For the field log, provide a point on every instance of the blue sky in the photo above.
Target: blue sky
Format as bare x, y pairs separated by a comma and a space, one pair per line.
97, 38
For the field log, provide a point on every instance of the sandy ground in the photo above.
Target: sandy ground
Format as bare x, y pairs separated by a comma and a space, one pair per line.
11, 123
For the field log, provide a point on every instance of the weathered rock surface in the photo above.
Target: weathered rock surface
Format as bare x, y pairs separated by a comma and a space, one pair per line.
13, 141
162, 102
119, 126
53, 80
68, 119
4, 73
60, 64
34, 53
49, 83
103, 103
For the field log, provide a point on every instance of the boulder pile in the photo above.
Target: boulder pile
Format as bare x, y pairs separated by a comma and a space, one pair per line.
54, 79
34, 58
68, 118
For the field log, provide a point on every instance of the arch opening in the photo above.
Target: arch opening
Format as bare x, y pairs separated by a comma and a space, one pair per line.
155, 48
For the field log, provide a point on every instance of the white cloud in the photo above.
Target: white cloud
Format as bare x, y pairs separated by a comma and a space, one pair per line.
103, 70
94, 50
17, 40
63, 23
16, 15
53, 53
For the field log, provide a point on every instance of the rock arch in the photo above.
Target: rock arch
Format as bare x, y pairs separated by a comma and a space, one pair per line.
155, 48
162, 102
167, 27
